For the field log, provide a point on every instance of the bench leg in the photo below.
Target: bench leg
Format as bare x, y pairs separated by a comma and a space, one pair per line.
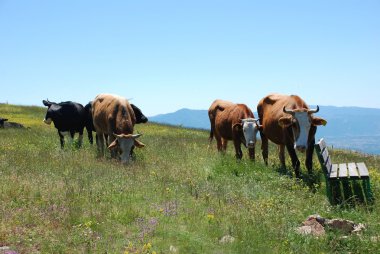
358, 190
367, 191
347, 191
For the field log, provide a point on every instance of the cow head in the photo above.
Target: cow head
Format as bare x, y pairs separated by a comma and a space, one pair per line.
52, 107
249, 127
124, 143
2, 120
140, 118
301, 122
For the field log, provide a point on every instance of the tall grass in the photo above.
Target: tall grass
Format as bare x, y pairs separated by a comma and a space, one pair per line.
178, 195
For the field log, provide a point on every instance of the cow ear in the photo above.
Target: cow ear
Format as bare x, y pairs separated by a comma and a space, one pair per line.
319, 121
139, 144
113, 145
285, 121
237, 127
46, 103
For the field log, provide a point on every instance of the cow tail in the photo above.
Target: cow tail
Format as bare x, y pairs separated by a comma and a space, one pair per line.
211, 134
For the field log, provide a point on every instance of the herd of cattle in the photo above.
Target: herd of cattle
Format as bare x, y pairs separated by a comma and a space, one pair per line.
285, 120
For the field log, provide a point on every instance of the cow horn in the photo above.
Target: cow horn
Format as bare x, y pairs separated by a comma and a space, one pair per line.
311, 111
288, 111
136, 135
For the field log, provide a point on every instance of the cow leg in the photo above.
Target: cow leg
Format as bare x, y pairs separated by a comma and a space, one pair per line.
80, 138
238, 152
89, 135
264, 148
295, 161
224, 144
218, 142
100, 143
61, 139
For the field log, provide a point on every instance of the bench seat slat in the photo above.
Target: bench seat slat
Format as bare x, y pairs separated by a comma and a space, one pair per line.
363, 171
334, 171
352, 170
342, 170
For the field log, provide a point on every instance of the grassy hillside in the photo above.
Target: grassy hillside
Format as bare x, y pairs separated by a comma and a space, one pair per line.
178, 196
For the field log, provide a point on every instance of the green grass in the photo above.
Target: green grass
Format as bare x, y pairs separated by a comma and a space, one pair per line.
178, 193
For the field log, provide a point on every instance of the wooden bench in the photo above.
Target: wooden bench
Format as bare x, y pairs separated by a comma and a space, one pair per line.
345, 182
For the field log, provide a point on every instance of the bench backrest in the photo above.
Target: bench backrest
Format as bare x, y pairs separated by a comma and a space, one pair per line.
323, 156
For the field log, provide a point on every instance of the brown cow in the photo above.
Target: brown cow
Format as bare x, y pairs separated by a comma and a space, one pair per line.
236, 122
216, 106
113, 116
288, 121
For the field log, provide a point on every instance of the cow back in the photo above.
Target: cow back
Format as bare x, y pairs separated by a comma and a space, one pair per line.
112, 114
270, 110
230, 116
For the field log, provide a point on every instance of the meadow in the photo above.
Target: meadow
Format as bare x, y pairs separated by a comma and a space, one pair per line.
177, 196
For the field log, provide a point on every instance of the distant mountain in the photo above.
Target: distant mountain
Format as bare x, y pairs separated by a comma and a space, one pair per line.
351, 128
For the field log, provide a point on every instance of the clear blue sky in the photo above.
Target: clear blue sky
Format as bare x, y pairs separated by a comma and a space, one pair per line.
167, 55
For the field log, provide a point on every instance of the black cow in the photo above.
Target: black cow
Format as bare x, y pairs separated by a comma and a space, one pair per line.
5, 124
140, 118
68, 118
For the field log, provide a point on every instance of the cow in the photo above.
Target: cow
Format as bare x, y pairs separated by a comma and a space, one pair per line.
288, 122
140, 118
113, 116
68, 118
5, 124
235, 122
216, 106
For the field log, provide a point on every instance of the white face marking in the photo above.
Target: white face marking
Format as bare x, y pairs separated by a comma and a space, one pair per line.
250, 129
48, 121
302, 134
125, 145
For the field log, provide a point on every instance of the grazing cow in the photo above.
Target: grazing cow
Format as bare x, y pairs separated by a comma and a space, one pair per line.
113, 116
140, 118
68, 118
216, 106
288, 122
236, 122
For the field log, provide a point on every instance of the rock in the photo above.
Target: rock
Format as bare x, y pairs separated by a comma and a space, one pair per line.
315, 225
227, 239
173, 249
7, 250
311, 227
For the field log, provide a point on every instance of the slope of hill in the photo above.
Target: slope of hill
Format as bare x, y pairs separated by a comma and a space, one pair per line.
177, 196
348, 127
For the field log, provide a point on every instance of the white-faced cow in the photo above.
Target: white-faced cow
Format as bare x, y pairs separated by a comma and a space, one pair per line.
234, 122
113, 116
288, 122
140, 118
68, 118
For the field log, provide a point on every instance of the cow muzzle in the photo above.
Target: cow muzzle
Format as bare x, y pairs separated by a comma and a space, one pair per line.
251, 144
47, 121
